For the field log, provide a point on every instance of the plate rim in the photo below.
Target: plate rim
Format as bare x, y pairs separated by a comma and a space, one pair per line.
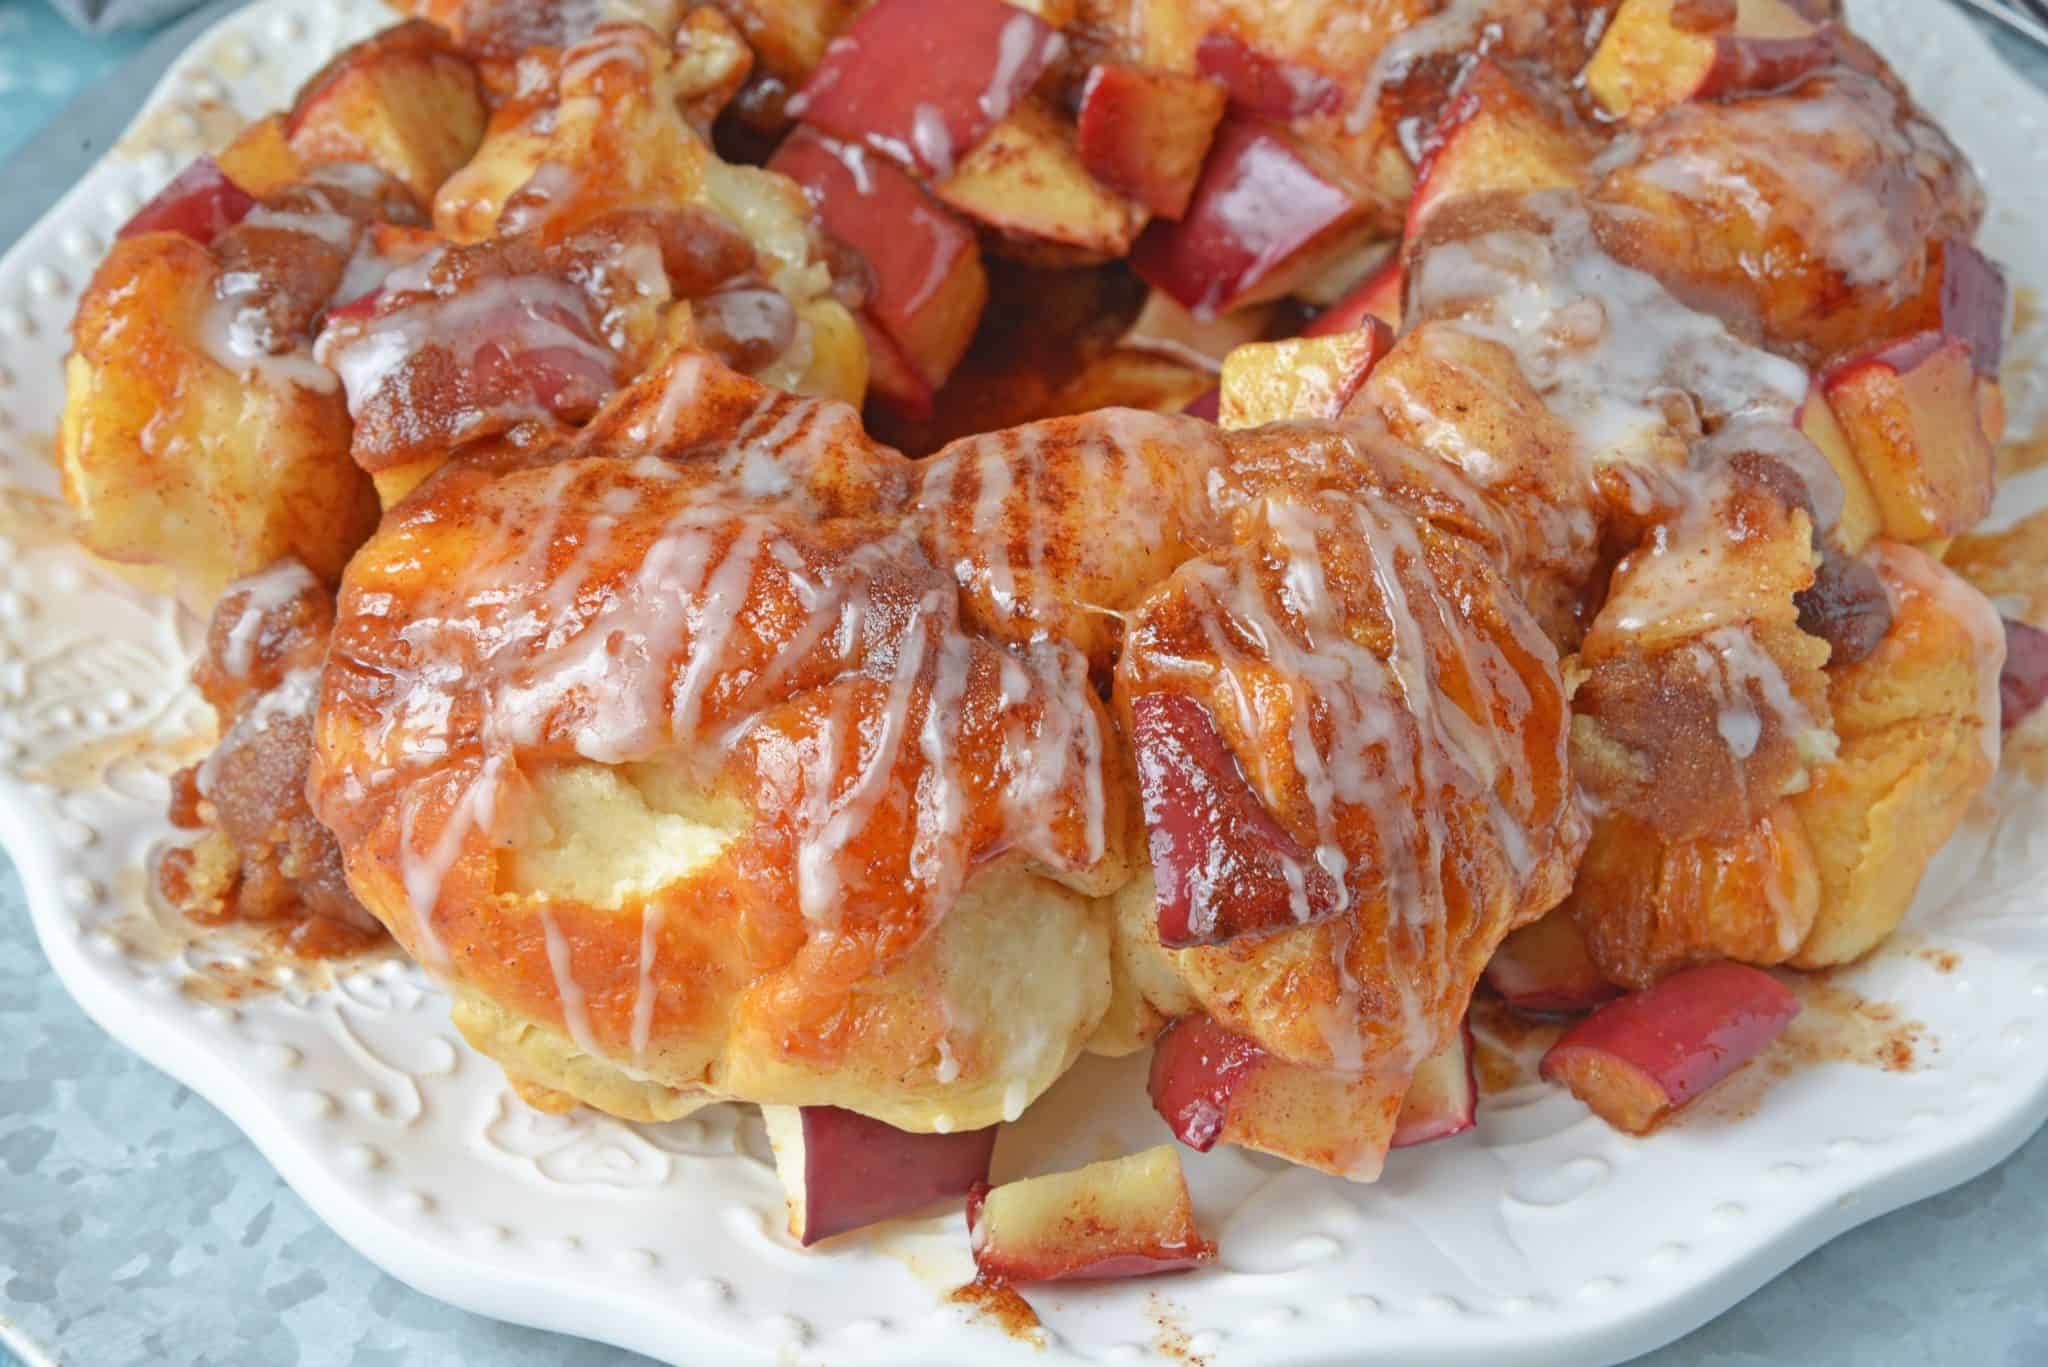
444, 1268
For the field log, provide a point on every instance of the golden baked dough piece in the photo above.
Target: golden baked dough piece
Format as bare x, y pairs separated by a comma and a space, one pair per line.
769, 767
1602, 414
619, 121
266, 858
1812, 217
1400, 715
685, 772
1919, 725
199, 437
594, 232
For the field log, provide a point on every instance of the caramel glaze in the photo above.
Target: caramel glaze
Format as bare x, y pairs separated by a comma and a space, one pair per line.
890, 663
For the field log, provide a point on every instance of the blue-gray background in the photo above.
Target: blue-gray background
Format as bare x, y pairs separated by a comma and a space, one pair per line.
137, 1227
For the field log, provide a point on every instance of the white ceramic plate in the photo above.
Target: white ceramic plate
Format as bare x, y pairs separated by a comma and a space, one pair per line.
1543, 1232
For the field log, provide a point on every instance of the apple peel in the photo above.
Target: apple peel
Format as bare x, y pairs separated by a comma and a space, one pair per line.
1224, 867
1127, 1217
1638, 1060
843, 1171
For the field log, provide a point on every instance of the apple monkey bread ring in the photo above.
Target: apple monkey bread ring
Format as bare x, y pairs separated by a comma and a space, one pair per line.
839, 556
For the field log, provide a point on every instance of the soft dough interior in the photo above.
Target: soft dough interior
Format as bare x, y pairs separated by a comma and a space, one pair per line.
604, 835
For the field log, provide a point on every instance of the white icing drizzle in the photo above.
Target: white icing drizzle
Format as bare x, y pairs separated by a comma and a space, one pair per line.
356, 177
1749, 679
625, 45
575, 1011
236, 331
1015, 46
932, 140
645, 992
1604, 344
336, 230
1455, 28
236, 335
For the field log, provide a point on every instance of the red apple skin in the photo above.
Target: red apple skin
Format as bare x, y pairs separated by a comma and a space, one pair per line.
893, 381
1637, 1060
1380, 341
1376, 296
2023, 682
1224, 867
539, 360
1443, 1098
1259, 204
859, 1171
1743, 63
1974, 304
1907, 353
1145, 133
1196, 1065
925, 262
1545, 969
200, 202
1262, 84
922, 80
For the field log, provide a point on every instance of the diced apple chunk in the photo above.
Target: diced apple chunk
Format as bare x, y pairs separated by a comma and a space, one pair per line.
1026, 181
1264, 215
1494, 135
1637, 1060
200, 202
1196, 1066
1164, 328
1333, 1122
1648, 60
1224, 867
923, 80
403, 101
1144, 133
1210, 1084
260, 159
1443, 1097
1909, 411
1860, 522
1300, 378
1128, 1217
1545, 968
842, 1171
928, 283
1262, 84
